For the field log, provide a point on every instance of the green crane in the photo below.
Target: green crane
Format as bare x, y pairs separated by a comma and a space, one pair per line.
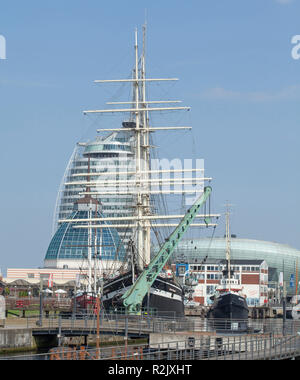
133, 297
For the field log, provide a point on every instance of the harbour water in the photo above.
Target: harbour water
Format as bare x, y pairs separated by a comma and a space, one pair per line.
30, 355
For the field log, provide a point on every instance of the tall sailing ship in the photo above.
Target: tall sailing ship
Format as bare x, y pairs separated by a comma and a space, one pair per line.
143, 183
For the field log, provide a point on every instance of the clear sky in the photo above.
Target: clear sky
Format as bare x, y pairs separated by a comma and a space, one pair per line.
236, 71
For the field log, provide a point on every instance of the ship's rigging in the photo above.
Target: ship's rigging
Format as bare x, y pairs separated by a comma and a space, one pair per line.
147, 184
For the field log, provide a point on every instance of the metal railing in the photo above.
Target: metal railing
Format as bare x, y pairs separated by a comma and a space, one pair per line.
147, 324
243, 347
33, 303
205, 348
113, 323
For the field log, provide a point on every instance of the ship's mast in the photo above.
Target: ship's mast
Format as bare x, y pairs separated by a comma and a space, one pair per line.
228, 247
139, 204
145, 157
140, 186
89, 289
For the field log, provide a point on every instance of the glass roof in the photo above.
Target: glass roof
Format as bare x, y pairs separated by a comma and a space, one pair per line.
282, 257
72, 243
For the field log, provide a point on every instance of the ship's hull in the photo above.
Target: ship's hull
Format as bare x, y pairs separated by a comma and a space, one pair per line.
231, 312
296, 312
165, 297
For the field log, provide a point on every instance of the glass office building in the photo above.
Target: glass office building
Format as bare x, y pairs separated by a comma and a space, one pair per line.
112, 153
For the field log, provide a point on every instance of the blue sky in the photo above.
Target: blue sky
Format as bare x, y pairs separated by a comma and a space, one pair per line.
236, 71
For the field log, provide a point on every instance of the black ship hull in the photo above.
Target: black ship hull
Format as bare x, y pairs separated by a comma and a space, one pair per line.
165, 297
230, 311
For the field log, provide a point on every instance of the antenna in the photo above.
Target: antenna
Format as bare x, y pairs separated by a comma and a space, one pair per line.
227, 214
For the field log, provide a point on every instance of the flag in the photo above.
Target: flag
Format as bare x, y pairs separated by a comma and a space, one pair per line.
50, 280
78, 280
281, 279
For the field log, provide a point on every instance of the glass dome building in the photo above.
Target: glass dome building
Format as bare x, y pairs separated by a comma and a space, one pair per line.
279, 257
114, 152
69, 247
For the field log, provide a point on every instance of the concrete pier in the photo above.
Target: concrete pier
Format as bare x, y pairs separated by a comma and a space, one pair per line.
16, 339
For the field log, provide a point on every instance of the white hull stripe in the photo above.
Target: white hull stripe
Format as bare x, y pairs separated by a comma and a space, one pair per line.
156, 292
159, 279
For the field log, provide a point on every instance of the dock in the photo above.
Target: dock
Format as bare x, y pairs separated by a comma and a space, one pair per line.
167, 339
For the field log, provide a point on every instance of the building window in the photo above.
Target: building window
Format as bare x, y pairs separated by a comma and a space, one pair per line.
181, 270
44, 276
213, 276
210, 289
30, 275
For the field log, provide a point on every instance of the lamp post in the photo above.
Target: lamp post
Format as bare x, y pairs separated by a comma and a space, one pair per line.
284, 309
283, 303
40, 321
98, 328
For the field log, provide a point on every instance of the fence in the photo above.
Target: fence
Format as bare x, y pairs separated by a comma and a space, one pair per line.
206, 348
146, 324
33, 303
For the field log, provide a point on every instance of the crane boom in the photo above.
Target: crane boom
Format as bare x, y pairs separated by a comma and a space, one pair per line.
133, 297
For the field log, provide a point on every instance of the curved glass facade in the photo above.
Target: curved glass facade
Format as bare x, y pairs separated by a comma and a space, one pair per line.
112, 153
72, 243
280, 257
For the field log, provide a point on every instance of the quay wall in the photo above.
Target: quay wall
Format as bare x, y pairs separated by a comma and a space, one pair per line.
16, 338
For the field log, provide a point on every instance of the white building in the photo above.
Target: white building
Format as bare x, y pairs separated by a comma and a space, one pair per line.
252, 275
